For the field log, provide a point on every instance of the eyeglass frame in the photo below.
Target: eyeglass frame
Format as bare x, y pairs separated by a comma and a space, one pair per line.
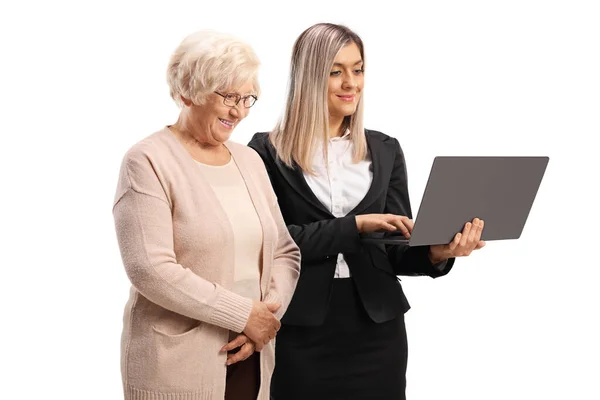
239, 98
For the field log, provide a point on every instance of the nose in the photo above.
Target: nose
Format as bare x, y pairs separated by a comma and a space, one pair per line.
349, 82
238, 111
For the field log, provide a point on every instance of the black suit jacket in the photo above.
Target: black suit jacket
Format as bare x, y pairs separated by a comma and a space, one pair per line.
321, 236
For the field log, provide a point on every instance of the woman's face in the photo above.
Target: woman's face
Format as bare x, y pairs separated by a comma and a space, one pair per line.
214, 119
346, 82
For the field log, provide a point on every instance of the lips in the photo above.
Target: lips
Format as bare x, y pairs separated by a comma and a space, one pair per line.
227, 124
346, 97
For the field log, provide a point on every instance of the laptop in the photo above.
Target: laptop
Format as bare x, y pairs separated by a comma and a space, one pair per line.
499, 190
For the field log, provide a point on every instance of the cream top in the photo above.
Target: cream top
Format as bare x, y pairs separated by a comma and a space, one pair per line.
230, 188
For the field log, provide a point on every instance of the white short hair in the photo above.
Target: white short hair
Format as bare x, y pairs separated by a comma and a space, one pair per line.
208, 61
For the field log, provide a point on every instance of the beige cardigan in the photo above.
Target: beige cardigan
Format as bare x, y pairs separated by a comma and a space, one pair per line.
176, 243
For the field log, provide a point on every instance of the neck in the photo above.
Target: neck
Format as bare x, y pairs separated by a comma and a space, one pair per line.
193, 136
335, 126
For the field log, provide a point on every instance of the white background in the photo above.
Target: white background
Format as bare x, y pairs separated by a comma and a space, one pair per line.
80, 83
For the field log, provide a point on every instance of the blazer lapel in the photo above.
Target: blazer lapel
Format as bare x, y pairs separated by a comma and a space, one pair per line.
294, 176
381, 159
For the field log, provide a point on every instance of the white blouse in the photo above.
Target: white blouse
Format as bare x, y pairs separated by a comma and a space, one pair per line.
340, 184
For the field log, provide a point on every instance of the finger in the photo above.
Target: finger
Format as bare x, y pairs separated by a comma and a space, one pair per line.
477, 238
454, 243
273, 307
480, 245
237, 342
386, 226
272, 333
400, 221
266, 340
245, 352
409, 223
402, 224
473, 235
465, 234
399, 226
234, 358
269, 336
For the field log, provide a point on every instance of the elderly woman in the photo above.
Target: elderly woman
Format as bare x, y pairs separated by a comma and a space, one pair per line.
210, 259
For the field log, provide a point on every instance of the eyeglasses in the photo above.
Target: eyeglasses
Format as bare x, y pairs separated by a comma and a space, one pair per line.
232, 99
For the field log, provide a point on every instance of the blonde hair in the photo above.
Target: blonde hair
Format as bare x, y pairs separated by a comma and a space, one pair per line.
208, 61
305, 121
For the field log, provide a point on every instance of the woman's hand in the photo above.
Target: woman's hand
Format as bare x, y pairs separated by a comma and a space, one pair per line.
262, 326
462, 245
246, 350
369, 223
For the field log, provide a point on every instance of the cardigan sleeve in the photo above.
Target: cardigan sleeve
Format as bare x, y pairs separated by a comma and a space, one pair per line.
144, 227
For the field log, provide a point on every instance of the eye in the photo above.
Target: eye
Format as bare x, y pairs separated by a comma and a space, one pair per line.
359, 71
231, 96
335, 73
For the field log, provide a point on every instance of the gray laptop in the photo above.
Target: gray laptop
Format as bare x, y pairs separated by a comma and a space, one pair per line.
499, 190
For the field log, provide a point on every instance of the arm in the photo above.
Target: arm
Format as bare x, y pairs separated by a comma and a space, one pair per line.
408, 260
324, 238
143, 223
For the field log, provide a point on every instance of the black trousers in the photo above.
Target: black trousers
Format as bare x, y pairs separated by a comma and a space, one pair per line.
348, 357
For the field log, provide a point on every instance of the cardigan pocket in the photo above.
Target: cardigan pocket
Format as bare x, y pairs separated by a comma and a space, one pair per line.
176, 335
176, 362
171, 324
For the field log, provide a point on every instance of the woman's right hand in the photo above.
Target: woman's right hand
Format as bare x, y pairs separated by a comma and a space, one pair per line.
262, 326
369, 223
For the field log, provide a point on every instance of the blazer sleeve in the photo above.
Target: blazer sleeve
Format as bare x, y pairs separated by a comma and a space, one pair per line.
320, 239
324, 238
406, 260
144, 227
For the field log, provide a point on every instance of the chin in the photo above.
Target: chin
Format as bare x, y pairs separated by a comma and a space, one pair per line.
223, 138
346, 111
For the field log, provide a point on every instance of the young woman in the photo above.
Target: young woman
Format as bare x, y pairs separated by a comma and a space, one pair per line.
343, 336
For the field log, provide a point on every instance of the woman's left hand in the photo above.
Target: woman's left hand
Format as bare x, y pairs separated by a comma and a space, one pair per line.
246, 350
463, 244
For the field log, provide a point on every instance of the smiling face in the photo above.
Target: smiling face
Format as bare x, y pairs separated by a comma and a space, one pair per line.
216, 121
346, 82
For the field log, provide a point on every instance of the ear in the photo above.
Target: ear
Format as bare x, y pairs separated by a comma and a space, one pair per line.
187, 102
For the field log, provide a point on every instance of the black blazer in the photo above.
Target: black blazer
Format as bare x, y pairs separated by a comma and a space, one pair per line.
321, 236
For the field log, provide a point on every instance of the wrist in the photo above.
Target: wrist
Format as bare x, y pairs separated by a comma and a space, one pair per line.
436, 256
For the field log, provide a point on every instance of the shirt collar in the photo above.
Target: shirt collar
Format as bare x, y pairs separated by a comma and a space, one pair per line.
345, 136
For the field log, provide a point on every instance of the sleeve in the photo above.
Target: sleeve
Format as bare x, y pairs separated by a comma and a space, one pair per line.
406, 260
143, 223
326, 237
